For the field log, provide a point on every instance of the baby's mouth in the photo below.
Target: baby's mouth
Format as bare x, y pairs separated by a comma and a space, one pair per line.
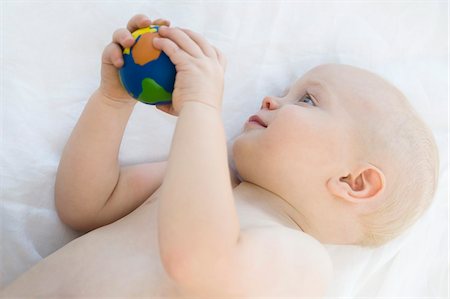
257, 120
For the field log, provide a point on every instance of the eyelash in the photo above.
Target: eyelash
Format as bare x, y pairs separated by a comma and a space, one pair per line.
307, 95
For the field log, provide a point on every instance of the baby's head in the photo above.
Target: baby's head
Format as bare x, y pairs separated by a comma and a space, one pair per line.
346, 151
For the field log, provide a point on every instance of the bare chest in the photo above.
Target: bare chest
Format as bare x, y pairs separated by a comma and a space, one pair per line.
121, 259
118, 260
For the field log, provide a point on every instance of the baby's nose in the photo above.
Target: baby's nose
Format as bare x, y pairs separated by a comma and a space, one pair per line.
270, 103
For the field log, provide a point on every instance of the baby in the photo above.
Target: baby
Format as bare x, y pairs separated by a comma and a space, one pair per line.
342, 158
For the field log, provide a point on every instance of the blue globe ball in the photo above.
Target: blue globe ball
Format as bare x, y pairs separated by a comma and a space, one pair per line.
147, 75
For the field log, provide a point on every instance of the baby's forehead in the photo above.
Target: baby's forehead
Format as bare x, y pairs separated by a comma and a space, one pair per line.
346, 84
354, 96
336, 75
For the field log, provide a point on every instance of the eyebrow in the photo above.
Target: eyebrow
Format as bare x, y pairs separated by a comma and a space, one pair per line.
323, 90
321, 85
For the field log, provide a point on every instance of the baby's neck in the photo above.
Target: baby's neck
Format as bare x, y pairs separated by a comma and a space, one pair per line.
263, 198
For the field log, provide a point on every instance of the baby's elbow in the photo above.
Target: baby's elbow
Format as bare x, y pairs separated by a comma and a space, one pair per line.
72, 216
187, 273
76, 223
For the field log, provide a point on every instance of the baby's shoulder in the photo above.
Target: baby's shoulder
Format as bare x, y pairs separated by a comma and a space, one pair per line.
294, 242
301, 260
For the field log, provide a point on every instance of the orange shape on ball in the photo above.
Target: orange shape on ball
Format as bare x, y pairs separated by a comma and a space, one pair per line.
143, 51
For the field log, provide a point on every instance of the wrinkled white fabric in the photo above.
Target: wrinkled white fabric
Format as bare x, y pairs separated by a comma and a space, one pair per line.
51, 65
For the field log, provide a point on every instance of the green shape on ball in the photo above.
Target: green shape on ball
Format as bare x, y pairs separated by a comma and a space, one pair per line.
153, 93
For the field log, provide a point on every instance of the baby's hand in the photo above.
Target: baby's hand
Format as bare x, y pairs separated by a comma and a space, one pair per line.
112, 59
200, 68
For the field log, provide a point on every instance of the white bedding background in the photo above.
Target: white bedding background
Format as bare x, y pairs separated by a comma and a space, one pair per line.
51, 63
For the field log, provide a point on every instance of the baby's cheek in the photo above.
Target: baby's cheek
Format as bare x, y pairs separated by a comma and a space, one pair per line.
309, 136
299, 128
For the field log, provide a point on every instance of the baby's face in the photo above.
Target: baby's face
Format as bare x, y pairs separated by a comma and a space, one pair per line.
306, 137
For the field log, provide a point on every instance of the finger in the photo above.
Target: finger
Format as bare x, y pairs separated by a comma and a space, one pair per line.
204, 45
113, 55
221, 57
138, 21
123, 37
161, 22
183, 41
176, 55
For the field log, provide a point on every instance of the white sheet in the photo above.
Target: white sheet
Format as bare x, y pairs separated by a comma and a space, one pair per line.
51, 63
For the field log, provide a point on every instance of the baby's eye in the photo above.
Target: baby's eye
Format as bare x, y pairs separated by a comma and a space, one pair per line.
307, 99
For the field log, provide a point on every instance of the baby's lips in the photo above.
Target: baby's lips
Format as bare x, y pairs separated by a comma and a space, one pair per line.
257, 119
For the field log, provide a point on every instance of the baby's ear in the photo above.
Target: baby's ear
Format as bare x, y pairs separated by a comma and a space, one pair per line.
365, 183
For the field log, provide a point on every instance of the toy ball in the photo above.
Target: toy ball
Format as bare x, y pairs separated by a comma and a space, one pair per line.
147, 75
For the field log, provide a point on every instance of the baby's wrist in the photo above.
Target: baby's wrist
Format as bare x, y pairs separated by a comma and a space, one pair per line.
114, 102
198, 106
200, 103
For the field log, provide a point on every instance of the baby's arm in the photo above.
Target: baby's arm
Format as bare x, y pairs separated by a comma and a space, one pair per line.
201, 243
197, 219
91, 189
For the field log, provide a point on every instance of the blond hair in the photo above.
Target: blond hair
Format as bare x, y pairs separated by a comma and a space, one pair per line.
411, 185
